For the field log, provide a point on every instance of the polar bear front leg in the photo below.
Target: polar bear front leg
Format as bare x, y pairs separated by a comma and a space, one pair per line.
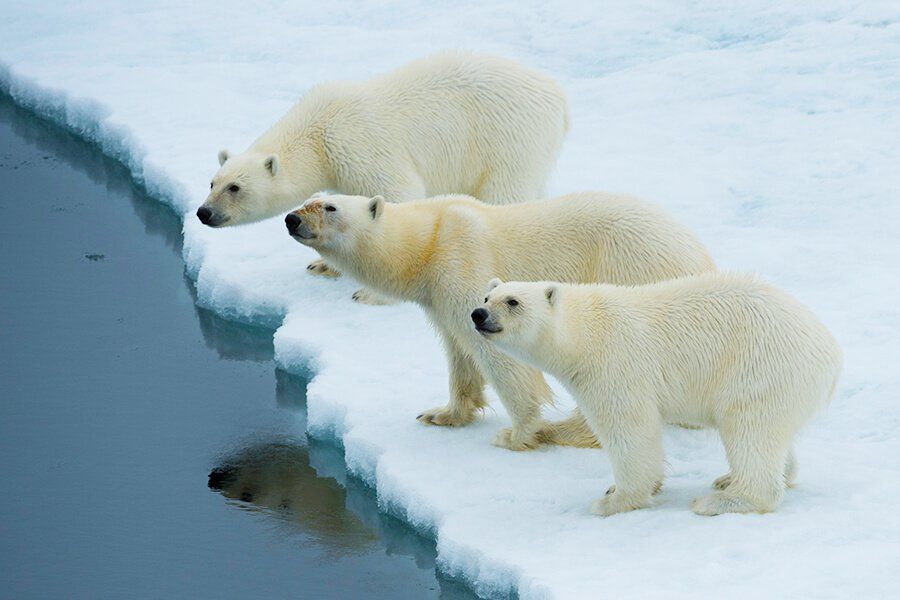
522, 390
466, 390
322, 269
632, 435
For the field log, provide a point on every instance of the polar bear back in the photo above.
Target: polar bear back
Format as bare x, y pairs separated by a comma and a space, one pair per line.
711, 343
467, 116
578, 238
454, 122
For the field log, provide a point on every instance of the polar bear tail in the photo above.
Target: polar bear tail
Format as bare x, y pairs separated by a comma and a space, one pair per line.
573, 431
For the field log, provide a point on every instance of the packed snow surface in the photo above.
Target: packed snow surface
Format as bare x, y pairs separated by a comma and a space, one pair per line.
772, 129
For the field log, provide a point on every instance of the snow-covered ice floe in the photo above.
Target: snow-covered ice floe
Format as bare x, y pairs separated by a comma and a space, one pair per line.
772, 129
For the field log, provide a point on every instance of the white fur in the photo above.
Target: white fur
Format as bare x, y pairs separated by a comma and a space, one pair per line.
715, 350
449, 123
441, 253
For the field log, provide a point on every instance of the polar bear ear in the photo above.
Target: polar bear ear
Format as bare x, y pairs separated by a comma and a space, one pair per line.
376, 206
552, 294
494, 283
271, 164
223, 156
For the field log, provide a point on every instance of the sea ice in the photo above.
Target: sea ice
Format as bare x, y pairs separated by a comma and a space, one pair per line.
770, 128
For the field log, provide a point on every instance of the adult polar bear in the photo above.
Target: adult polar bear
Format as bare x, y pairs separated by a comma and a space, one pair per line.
451, 123
715, 350
441, 253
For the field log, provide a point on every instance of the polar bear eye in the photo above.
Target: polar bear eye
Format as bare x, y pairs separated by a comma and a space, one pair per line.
512, 302
485, 299
330, 208
210, 185
233, 188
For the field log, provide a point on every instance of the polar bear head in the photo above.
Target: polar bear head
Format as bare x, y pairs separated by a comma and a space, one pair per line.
278, 475
335, 224
245, 189
517, 315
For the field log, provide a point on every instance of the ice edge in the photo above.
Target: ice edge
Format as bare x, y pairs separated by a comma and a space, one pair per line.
87, 119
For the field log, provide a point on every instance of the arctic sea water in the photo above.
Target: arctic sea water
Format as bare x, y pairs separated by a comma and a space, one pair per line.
150, 448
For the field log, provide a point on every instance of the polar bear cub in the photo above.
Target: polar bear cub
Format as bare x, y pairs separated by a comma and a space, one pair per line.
440, 253
718, 350
451, 123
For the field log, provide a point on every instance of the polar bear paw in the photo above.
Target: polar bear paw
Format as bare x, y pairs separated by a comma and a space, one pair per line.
615, 502
320, 267
364, 296
445, 417
516, 440
719, 503
657, 488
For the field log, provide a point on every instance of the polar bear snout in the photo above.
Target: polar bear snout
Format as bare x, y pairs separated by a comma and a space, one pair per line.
209, 217
480, 315
484, 322
298, 227
293, 222
204, 214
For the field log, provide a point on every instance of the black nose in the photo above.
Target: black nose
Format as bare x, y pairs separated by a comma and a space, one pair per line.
220, 477
479, 316
292, 221
204, 214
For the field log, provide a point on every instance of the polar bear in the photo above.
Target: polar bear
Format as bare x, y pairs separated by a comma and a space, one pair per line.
719, 350
281, 476
441, 253
455, 122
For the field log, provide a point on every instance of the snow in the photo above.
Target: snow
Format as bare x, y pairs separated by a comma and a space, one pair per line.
772, 129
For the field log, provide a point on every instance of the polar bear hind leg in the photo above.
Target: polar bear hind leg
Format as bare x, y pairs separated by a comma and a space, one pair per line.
790, 474
758, 452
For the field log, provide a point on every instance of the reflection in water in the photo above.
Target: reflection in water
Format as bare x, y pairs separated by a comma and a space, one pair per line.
299, 482
305, 483
278, 476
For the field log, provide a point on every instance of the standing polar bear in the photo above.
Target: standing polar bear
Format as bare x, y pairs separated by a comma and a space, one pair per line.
714, 350
440, 253
452, 123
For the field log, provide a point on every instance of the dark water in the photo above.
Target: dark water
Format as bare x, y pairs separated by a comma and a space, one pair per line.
149, 448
